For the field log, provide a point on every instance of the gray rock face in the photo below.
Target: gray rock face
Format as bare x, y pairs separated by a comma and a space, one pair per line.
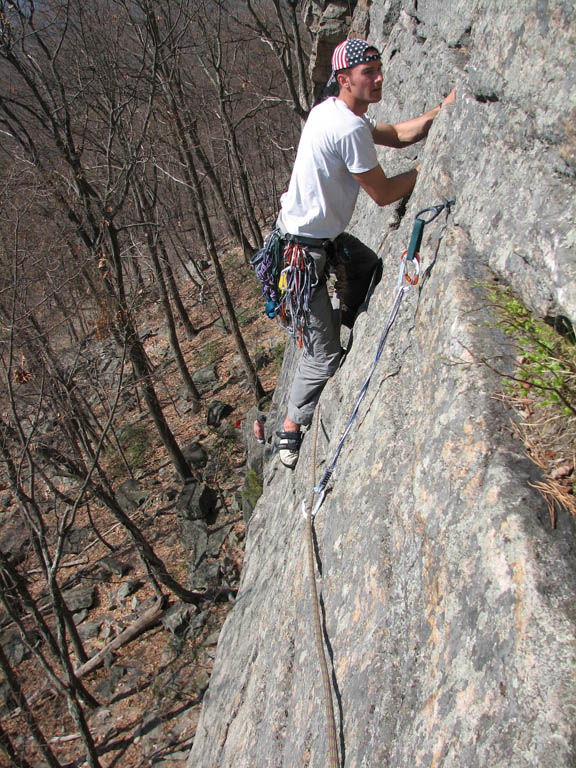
205, 379
80, 598
195, 454
196, 506
131, 495
449, 600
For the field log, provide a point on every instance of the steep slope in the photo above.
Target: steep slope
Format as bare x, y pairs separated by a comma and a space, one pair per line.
449, 601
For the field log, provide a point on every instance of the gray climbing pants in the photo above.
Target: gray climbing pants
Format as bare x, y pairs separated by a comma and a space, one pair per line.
321, 338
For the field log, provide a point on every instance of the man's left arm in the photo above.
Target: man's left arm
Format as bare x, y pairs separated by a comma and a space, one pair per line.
404, 134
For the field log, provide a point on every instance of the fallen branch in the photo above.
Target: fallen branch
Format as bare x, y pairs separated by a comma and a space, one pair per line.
63, 739
72, 563
148, 619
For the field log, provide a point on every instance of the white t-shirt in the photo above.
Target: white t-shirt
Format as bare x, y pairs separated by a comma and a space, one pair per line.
335, 143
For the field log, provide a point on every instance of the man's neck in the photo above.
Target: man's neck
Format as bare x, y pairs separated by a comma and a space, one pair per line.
358, 107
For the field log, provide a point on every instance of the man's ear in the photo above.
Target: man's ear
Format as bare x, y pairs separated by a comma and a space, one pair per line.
343, 79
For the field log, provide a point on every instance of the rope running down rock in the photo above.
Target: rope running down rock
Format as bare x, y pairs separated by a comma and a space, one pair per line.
310, 505
328, 698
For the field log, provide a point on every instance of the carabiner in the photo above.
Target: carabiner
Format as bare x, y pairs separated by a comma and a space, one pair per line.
411, 279
437, 210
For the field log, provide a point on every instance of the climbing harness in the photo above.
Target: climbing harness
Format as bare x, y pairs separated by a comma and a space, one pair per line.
288, 276
410, 276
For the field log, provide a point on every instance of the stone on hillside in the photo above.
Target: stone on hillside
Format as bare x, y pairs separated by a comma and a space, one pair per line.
113, 567
169, 654
194, 539
206, 574
16, 542
217, 410
14, 647
107, 687
7, 699
236, 502
195, 454
221, 326
212, 638
80, 598
197, 623
131, 495
6, 500
171, 493
205, 379
76, 540
177, 618
81, 616
124, 591
228, 431
261, 360
216, 539
196, 502
89, 630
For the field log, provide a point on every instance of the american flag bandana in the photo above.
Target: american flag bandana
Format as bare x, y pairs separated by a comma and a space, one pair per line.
349, 53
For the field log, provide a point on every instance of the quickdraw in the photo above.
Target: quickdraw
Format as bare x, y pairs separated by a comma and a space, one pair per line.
405, 281
288, 277
413, 251
297, 280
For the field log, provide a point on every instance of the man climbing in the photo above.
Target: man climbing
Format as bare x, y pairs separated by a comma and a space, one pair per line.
336, 156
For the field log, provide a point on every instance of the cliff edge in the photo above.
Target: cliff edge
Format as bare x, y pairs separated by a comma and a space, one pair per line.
449, 599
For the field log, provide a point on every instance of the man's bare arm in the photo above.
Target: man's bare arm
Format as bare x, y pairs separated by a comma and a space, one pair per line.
404, 134
384, 190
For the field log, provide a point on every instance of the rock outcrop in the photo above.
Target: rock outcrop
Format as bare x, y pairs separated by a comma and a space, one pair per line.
449, 600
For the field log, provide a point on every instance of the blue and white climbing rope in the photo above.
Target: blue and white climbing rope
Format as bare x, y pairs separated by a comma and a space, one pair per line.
406, 279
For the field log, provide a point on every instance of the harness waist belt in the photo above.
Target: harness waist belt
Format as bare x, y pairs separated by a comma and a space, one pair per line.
311, 242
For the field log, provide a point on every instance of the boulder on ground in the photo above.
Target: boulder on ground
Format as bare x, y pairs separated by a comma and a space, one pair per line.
80, 598
131, 495
205, 379
217, 410
195, 454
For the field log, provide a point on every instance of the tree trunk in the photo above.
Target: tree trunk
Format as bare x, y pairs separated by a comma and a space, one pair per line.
152, 243
139, 363
191, 332
233, 221
16, 760
141, 366
33, 726
208, 237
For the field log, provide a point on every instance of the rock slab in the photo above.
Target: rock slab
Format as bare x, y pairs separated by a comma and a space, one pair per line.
449, 600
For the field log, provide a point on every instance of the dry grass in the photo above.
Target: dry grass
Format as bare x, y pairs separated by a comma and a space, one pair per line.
542, 391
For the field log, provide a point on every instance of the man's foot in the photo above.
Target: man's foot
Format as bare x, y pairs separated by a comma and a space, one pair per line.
289, 448
259, 433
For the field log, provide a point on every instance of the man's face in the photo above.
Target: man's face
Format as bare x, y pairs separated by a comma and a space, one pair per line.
364, 81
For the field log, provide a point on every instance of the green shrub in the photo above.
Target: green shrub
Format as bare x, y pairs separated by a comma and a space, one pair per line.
277, 354
252, 487
545, 359
136, 445
210, 352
